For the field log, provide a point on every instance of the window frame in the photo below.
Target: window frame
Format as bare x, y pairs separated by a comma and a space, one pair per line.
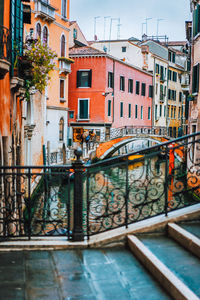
137, 87
109, 107
143, 89
62, 44
122, 83
62, 80
129, 110
64, 9
78, 78
121, 109
130, 85
88, 114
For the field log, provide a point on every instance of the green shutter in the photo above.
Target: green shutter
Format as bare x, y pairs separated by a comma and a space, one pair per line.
78, 77
90, 78
1, 11
83, 109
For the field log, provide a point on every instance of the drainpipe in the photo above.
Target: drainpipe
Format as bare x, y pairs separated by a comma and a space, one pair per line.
113, 118
154, 93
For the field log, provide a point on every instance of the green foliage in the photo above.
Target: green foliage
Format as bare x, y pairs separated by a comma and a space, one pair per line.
42, 59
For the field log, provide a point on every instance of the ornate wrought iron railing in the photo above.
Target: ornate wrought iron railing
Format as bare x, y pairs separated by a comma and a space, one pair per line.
80, 200
137, 130
140, 185
5, 43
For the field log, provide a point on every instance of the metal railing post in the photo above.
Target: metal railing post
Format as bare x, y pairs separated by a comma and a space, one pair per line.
77, 232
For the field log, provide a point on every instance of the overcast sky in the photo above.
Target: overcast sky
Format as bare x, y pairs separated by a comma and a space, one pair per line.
132, 14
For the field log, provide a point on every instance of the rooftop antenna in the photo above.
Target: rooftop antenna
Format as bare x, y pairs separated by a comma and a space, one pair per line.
147, 19
158, 20
104, 32
111, 21
118, 30
143, 27
95, 21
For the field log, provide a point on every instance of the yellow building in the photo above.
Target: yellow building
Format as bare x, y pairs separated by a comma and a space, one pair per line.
47, 114
176, 113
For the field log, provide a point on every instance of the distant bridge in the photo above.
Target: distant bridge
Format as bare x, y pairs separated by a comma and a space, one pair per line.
120, 137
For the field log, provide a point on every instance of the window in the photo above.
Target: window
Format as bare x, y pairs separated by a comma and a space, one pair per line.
137, 90
110, 80
122, 83
160, 110
61, 129
180, 96
45, 35
136, 111
109, 108
62, 89
162, 73
123, 49
156, 111
169, 94
130, 86
169, 74
196, 20
62, 46
172, 56
168, 109
83, 109
164, 110
157, 69
143, 89
141, 113
174, 112
161, 93
1, 12
129, 110
64, 8
156, 88
121, 109
84, 78
179, 112
174, 76
38, 31
151, 91
149, 113
71, 114
195, 79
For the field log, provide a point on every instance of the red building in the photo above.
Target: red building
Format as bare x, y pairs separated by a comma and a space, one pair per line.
106, 92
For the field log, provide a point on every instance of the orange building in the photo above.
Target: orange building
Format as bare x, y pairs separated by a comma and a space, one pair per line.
106, 93
48, 118
12, 18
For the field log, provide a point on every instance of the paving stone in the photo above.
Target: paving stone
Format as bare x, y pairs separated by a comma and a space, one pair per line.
12, 292
43, 294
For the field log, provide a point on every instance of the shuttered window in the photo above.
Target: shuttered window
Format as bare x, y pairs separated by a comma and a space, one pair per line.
122, 83
195, 79
129, 110
84, 78
174, 76
110, 80
1, 11
161, 92
196, 20
151, 91
130, 86
83, 109
143, 89
121, 109
109, 108
137, 90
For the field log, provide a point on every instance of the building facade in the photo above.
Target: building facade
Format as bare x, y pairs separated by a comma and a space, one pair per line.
49, 110
106, 93
13, 15
194, 106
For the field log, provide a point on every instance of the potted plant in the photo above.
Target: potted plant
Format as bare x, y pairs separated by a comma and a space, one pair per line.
41, 58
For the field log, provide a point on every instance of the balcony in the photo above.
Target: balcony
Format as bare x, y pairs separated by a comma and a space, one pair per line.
185, 82
45, 11
65, 65
5, 51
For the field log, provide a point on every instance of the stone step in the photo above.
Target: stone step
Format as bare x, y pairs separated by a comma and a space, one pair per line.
192, 227
184, 238
184, 265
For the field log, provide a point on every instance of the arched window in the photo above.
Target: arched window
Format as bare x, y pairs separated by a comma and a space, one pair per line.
38, 31
64, 8
62, 46
61, 129
45, 35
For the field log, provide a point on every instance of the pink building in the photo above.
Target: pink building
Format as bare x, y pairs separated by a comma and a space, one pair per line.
105, 92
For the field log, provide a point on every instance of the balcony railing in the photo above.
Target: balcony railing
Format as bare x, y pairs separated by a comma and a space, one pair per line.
79, 200
5, 51
65, 65
45, 10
